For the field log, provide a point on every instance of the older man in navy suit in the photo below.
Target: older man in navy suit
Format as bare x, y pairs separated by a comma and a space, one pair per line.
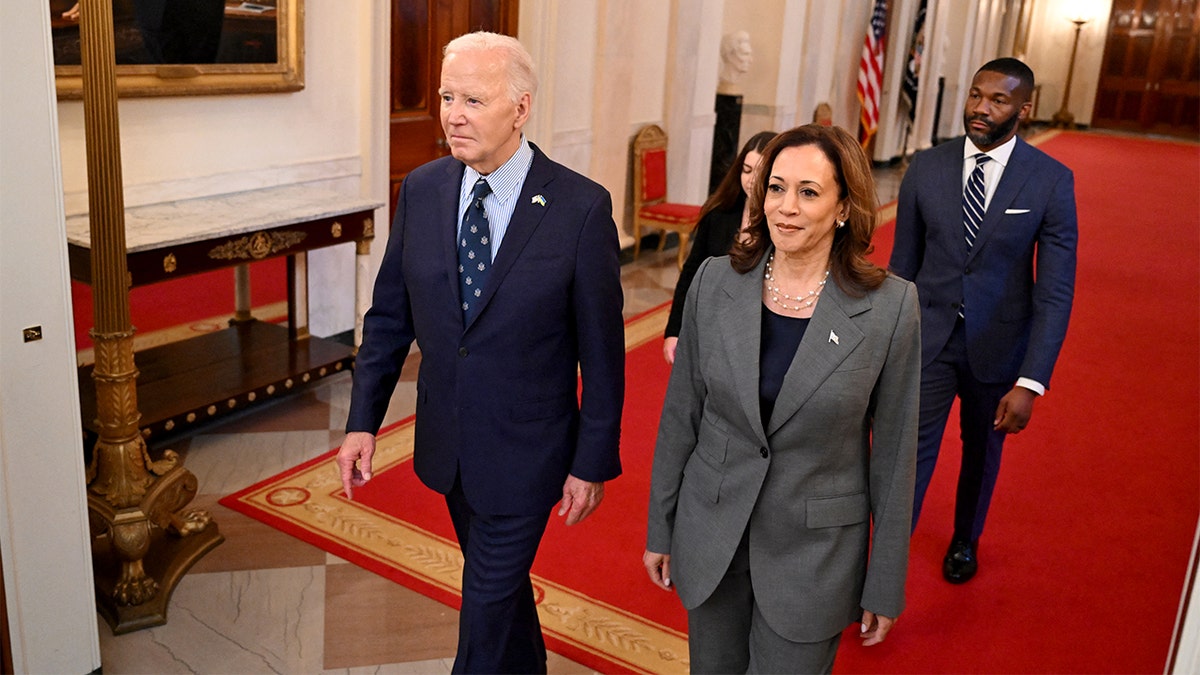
503, 266
985, 227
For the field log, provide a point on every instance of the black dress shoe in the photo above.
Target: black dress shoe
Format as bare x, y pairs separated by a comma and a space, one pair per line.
960, 563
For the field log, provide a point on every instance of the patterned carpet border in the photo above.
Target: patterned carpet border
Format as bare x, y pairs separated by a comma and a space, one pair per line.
306, 502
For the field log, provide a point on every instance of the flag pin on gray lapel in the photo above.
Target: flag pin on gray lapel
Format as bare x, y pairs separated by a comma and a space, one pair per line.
833, 338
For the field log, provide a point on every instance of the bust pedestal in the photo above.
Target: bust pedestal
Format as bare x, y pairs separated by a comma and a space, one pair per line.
725, 137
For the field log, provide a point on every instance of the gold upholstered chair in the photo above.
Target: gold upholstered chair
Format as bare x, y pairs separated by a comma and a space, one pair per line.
651, 210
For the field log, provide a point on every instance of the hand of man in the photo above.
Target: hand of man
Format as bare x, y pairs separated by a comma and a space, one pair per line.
579, 499
658, 566
354, 460
1014, 411
875, 627
669, 346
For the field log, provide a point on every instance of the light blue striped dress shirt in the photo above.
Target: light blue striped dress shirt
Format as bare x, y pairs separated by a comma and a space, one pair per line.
506, 183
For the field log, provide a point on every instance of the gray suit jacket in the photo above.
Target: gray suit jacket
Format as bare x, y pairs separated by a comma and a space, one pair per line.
838, 452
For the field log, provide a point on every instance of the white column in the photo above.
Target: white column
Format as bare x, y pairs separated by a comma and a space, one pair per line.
537, 29
362, 288
893, 115
298, 297
614, 70
241, 293
691, 86
818, 64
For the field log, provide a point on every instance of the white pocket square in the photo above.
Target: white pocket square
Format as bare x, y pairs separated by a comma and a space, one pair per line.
1015, 212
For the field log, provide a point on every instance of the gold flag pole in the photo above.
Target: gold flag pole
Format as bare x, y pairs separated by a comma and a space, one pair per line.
142, 540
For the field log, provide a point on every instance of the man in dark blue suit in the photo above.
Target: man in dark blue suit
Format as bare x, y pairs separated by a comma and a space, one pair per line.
503, 266
985, 227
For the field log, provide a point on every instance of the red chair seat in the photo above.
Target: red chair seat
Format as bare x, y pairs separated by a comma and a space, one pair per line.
650, 206
676, 214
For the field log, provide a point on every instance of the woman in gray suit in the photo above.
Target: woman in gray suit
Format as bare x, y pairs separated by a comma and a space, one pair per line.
781, 493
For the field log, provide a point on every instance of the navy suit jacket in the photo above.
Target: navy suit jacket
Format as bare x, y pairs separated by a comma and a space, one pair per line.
1016, 285
499, 400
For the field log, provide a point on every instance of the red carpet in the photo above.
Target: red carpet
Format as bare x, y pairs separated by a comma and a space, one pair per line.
1083, 562
1085, 554
604, 613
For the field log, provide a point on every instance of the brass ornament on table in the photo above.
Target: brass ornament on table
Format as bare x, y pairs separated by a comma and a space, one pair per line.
336, 230
143, 541
257, 246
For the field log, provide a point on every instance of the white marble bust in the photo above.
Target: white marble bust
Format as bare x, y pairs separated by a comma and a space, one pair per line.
736, 57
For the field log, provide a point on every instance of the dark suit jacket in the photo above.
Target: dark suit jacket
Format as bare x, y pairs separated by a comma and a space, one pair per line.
1014, 325
497, 400
836, 457
713, 236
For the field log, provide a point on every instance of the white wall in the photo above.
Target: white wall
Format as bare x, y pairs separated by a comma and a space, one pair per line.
1050, 36
951, 39
761, 20
694, 38
326, 134
562, 39
43, 514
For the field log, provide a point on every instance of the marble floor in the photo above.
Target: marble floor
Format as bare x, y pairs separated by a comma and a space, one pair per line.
264, 602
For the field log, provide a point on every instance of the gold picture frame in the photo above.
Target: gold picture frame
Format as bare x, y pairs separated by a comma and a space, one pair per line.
285, 74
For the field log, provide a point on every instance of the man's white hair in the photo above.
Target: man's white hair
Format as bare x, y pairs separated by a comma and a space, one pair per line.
521, 76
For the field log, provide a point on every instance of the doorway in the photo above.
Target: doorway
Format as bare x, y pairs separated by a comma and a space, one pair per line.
1148, 76
420, 29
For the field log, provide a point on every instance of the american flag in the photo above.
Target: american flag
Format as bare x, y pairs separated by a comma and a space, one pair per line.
870, 73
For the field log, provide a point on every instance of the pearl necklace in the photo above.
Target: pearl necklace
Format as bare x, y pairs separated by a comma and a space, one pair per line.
803, 301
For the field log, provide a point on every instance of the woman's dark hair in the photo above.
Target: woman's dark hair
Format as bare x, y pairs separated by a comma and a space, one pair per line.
848, 263
729, 194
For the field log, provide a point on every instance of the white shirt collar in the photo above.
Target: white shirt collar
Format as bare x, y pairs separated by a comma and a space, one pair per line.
998, 154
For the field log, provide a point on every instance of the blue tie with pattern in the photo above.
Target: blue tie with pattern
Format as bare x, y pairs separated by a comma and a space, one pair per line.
973, 200
474, 251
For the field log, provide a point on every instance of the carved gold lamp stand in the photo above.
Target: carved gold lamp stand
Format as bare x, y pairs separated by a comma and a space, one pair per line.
143, 541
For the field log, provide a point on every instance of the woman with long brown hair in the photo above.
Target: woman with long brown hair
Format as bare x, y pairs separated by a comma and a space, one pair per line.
781, 493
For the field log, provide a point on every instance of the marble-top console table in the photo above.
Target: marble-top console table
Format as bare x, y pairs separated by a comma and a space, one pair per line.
183, 383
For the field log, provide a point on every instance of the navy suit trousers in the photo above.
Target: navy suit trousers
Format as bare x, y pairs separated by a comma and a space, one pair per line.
947, 376
498, 628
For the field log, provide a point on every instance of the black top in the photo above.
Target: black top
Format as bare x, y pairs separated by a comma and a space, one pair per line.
713, 236
781, 337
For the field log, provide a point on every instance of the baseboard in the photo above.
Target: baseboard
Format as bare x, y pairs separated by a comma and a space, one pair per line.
650, 243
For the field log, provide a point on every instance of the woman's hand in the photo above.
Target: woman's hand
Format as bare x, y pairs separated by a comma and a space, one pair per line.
658, 566
669, 345
875, 627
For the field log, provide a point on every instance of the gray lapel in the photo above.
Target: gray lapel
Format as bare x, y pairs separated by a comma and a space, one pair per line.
740, 318
829, 339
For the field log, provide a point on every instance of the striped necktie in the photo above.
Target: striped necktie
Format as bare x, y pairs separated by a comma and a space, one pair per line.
474, 251
973, 200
